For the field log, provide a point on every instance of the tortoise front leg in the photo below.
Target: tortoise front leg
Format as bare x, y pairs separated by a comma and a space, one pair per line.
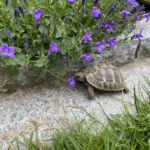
90, 91
126, 90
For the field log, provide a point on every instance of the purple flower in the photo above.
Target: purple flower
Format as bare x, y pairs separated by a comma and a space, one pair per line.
97, 28
125, 14
85, 57
112, 8
30, 12
100, 46
66, 19
83, 2
25, 1
6, 2
20, 21
95, 12
42, 34
135, 6
83, 11
108, 26
86, 37
55, 16
53, 48
130, 2
140, 9
136, 18
89, 46
27, 46
119, 132
71, 82
131, 28
37, 14
43, 72
62, 57
8, 33
146, 15
38, 25
15, 13
138, 35
21, 10
121, 21
7, 51
95, 1
11, 40
71, 1
112, 42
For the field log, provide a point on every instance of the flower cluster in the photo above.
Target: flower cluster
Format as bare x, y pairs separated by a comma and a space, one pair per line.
37, 14
95, 12
125, 14
63, 31
86, 37
100, 46
71, 82
138, 35
108, 26
53, 48
85, 57
146, 15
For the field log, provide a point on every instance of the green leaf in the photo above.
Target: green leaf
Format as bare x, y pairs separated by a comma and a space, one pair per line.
54, 67
47, 21
74, 29
42, 28
18, 60
41, 62
4, 33
34, 71
63, 50
25, 36
67, 42
59, 31
18, 50
62, 3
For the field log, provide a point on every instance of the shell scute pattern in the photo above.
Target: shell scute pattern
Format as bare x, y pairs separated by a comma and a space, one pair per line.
105, 77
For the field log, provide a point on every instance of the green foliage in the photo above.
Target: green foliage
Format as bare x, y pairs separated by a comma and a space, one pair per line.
11, 71
67, 36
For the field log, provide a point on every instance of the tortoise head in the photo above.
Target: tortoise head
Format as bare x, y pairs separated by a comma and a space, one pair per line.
80, 76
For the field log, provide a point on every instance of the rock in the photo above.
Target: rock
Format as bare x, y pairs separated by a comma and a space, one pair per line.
145, 2
23, 79
122, 54
144, 49
126, 51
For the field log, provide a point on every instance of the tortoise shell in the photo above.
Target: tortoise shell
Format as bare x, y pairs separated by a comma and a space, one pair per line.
105, 77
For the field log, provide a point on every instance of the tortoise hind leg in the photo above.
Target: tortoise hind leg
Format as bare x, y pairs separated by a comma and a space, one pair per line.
91, 92
126, 90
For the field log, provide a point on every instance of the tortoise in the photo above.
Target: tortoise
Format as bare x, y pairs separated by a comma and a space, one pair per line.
104, 77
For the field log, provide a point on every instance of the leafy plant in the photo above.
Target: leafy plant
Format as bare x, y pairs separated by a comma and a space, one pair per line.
44, 32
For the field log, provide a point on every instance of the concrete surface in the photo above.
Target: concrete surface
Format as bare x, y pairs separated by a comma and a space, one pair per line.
49, 102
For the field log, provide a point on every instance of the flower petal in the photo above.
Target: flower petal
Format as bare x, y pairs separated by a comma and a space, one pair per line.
11, 48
